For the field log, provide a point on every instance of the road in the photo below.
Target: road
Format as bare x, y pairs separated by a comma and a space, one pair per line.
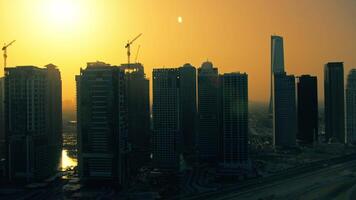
332, 179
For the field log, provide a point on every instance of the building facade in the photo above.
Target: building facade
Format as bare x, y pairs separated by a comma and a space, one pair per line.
166, 115
351, 107
277, 61
188, 106
234, 92
102, 124
284, 111
334, 102
307, 104
208, 109
33, 122
138, 102
2, 119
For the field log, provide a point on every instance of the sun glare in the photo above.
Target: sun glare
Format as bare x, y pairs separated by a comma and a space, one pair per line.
63, 12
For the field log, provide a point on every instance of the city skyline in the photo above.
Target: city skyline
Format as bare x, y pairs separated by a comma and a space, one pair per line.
238, 48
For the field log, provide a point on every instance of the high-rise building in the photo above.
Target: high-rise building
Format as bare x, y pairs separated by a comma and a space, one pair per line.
33, 122
53, 111
102, 124
2, 119
138, 102
166, 116
234, 119
351, 106
188, 106
208, 109
307, 88
334, 102
277, 61
284, 111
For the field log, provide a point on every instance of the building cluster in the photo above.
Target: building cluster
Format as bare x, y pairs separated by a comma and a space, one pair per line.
195, 113
295, 106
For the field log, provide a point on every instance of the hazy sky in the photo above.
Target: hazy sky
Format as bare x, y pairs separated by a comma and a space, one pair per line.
233, 34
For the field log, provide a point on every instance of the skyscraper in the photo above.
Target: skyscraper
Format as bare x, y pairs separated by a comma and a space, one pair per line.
33, 121
234, 119
188, 106
334, 102
138, 102
208, 106
102, 124
351, 106
2, 119
166, 125
307, 109
277, 61
53, 111
284, 111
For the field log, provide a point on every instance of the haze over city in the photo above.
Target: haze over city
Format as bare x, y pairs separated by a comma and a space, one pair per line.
234, 35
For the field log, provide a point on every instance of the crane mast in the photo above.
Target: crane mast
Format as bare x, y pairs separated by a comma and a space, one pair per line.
128, 47
4, 48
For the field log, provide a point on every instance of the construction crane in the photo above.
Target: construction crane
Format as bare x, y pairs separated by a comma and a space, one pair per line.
4, 48
138, 51
128, 47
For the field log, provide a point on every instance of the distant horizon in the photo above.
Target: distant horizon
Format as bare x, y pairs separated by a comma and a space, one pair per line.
234, 36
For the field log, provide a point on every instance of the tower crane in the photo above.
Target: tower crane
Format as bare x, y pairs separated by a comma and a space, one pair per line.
4, 48
128, 47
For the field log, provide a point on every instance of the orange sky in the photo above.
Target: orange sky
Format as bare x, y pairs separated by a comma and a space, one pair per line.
233, 34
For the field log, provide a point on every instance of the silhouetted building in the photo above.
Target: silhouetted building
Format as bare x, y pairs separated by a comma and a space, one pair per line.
188, 106
208, 109
307, 109
334, 102
2, 119
351, 106
33, 122
277, 61
102, 124
138, 101
284, 111
234, 88
166, 116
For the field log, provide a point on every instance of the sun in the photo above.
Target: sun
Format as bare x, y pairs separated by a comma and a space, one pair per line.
62, 12
180, 19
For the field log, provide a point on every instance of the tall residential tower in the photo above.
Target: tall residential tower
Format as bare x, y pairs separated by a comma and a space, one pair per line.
138, 102
334, 102
284, 111
188, 105
102, 124
307, 109
351, 107
166, 115
234, 119
208, 109
33, 122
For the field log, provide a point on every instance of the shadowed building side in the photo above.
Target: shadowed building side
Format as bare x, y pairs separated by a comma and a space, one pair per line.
334, 102
2, 119
102, 124
284, 111
138, 105
166, 115
188, 106
351, 107
208, 109
307, 88
235, 120
33, 122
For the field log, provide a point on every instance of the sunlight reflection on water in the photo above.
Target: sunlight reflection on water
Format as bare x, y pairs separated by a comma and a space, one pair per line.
67, 162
